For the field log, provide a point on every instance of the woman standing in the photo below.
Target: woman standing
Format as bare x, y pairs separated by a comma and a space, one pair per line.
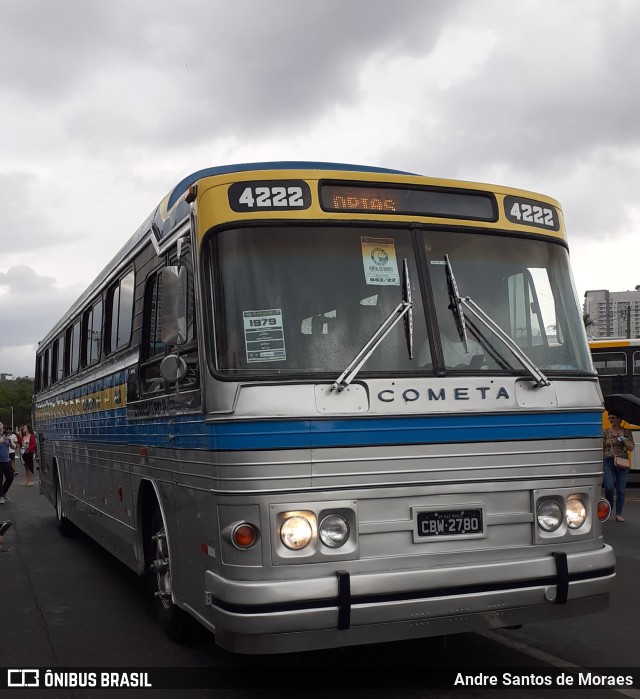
617, 442
28, 452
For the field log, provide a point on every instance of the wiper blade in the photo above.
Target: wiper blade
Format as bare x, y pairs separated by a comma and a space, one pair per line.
402, 310
406, 298
471, 306
456, 304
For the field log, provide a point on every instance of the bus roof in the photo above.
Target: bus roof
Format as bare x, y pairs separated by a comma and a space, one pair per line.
183, 185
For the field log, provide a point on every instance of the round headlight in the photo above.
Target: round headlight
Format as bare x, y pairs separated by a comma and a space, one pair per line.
296, 532
334, 531
576, 513
549, 515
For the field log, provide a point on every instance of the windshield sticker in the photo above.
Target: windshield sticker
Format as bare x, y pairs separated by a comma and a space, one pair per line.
379, 259
264, 336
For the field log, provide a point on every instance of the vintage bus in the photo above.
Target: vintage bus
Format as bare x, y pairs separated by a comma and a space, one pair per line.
617, 361
318, 405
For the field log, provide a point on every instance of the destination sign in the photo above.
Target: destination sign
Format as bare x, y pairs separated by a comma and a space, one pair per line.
438, 202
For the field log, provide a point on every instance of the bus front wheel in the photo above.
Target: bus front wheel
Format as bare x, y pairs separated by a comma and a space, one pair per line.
65, 526
159, 581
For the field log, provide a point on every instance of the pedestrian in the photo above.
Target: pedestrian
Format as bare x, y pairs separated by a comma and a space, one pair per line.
5, 525
20, 434
28, 452
12, 451
617, 442
6, 472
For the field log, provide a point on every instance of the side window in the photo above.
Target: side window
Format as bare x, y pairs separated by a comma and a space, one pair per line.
153, 348
57, 361
612, 371
39, 384
120, 312
92, 333
54, 360
610, 363
73, 347
46, 368
635, 382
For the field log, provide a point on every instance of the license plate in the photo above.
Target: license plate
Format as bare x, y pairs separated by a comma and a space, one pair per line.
441, 523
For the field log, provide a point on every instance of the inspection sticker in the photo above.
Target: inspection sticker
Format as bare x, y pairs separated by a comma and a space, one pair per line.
264, 336
379, 259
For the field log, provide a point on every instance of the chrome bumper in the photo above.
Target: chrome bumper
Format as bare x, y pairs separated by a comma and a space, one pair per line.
349, 609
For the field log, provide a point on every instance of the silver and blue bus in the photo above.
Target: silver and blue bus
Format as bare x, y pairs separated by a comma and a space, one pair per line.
318, 405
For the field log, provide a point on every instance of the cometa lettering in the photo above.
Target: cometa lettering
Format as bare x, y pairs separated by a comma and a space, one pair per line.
410, 395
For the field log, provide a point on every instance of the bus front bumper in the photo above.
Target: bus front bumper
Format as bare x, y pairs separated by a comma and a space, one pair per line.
344, 609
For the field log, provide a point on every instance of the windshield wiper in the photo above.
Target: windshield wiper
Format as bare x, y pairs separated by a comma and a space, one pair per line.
408, 316
458, 302
456, 305
402, 310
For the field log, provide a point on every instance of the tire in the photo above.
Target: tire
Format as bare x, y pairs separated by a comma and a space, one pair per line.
159, 585
65, 526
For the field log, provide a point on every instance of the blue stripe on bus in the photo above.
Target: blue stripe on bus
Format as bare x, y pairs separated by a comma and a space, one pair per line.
193, 433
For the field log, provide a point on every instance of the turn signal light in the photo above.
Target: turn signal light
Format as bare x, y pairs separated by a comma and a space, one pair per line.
245, 535
192, 193
604, 510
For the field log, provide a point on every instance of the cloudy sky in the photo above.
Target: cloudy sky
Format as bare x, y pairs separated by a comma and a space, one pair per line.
104, 106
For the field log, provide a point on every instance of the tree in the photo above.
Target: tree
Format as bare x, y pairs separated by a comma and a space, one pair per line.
16, 395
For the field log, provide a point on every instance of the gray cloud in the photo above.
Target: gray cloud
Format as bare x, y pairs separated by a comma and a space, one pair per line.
552, 107
156, 74
32, 303
26, 225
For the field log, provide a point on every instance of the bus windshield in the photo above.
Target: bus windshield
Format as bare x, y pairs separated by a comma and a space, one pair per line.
524, 286
286, 309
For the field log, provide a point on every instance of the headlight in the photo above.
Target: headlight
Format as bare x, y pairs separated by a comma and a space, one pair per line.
576, 513
549, 515
334, 531
296, 532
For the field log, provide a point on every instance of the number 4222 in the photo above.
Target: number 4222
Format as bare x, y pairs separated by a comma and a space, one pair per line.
532, 214
272, 197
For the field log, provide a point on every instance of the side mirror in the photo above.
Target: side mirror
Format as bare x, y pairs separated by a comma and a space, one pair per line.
173, 368
174, 305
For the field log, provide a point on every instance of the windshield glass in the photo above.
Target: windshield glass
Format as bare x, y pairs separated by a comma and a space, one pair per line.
306, 299
523, 285
299, 300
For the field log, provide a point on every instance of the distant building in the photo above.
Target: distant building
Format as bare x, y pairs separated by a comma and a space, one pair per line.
6, 377
613, 313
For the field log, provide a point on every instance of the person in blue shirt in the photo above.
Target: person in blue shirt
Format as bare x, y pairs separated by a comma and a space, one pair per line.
6, 470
